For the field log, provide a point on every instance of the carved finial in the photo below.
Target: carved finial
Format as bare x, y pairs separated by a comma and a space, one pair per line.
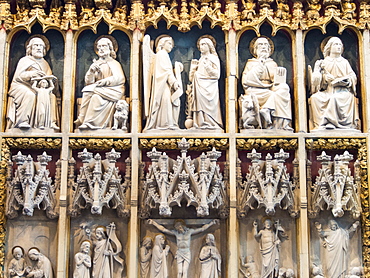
154, 155
44, 159
85, 156
213, 155
254, 156
112, 156
19, 158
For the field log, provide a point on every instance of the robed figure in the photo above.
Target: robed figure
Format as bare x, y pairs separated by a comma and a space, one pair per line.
158, 266
210, 259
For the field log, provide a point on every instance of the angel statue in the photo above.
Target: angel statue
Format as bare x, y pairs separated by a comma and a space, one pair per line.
333, 104
162, 85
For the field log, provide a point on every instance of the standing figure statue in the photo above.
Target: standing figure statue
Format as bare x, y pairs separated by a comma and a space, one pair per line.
158, 267
210, 259
106, 262
333, 104
162, 86
269, 240
23, 109
105, 86
183, 238
40, 265
83, 261
336, 241
17, 265
145, 256
266, 101
204, 100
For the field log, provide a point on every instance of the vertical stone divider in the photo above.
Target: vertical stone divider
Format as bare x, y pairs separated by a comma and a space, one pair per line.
3, 73
64, 220
132, 257
366, 108
300, 105
233, 235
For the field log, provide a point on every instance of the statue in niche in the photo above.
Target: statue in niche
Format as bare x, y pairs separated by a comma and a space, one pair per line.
269, 240
335, 241
145, 256
106, 262
266, 100
83, 261
203, 94
210, 259
251, 268
158, 267
162, 85
105, 86
24, 110
17, 265
333, 104
40, 265
183, 238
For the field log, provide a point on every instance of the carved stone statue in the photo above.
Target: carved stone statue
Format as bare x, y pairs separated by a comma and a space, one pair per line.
145, 256
335, 241
158, 266
40, 265
183, 238
105, 86
83, 261
26, 104
266, 101
333, 104
17, 265
269, 240
107, 262
210, 259
203, 99
251, 268
162, 86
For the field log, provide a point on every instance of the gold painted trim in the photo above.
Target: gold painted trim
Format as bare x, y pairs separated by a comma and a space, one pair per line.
195, 144
100, 144
266, 144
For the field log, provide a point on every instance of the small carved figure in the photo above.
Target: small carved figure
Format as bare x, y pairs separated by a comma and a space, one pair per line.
265, 83
104, 87
210, 259
348, 8
333, 104
289, 273
158, 267
355, 272
249, 11
251, 267
83, 261
282, 11
145, 256
313, 11
317, 271
40, 265
183, 238
336, 241
269, 241
121, 115
17, 265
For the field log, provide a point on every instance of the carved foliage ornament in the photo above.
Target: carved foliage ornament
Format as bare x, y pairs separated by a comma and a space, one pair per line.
335, 188
168, 182
99, 184
267, 184
31, 187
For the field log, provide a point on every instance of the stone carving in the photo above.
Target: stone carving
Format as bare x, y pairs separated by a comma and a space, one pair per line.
83, 261
170, 181
145, 256
210, 259
251, 270
335, 241
183, 237
107, 262
99, 184
121, 115
158, 266
17, 265
266, 100
105, 86
267, 185
28, 105
269, 240
40, 265
162, 85
317, 271
335, 188
31, 187
333, 104
204, 110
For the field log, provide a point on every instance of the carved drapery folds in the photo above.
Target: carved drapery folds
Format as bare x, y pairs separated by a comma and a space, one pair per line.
168, 182
335, 188
267, 184
31, 187
99, 184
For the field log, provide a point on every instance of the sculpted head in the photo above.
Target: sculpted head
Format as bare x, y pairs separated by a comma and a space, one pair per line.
36, 48
85, 247
166, 43
100, 233
160, 240
333, 225
267, 224
262, 48
205, 46
34, 254
334, 46
147, 242
17, 252
180, 225
105, 48
210, 239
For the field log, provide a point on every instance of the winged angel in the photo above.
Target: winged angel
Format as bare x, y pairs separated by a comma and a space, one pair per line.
162, 85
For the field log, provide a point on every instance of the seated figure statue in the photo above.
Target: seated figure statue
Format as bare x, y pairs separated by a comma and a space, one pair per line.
266, 101
333, 104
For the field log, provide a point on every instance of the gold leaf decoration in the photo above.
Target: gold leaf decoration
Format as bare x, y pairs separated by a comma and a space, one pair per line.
100, 144
266, 144
195, 144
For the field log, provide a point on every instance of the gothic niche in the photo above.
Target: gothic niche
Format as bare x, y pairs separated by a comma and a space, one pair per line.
30, 186
199, 182
335, 188
99, 184
267, 184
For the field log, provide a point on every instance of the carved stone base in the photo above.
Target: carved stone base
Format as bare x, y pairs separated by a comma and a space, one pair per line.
266, 131
100, 131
